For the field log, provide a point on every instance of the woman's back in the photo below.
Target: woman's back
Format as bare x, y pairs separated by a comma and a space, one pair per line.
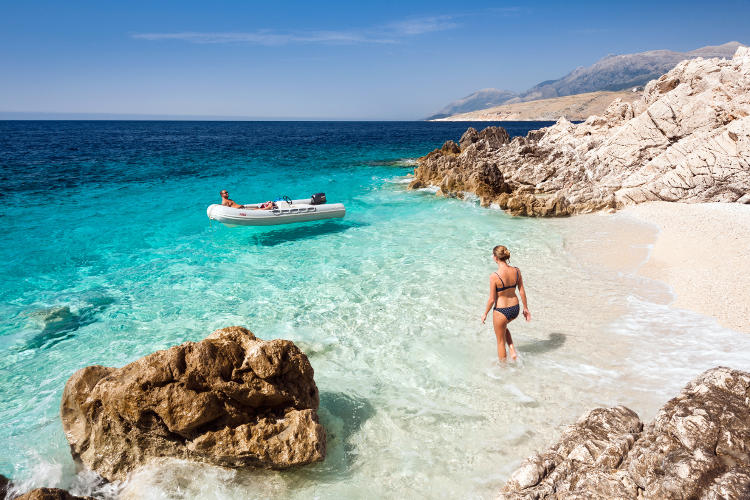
506, 280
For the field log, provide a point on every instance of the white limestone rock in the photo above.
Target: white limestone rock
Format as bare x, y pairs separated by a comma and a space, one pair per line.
687, 139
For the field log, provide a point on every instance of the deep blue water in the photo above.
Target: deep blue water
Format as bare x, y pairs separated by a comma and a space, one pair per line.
43, 157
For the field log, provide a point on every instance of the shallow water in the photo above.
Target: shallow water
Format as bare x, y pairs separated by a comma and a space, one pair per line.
109, 256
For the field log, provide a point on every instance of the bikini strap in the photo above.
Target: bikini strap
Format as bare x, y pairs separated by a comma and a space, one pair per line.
501, 279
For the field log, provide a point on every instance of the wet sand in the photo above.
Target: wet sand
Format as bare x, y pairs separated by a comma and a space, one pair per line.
703, 252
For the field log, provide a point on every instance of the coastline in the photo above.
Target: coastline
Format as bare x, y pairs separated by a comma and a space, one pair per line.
702, 251
576, 107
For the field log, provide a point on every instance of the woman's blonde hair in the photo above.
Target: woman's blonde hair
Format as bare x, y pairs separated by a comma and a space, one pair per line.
501, 253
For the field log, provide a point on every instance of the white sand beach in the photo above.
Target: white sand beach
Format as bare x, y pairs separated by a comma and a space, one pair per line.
703, 252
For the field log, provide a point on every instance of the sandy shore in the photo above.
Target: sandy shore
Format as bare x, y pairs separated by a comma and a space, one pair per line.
703, 252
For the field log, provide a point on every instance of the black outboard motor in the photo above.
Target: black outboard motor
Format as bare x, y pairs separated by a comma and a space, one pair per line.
318, 198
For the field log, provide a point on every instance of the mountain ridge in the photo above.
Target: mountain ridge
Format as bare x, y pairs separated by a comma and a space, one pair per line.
611, 73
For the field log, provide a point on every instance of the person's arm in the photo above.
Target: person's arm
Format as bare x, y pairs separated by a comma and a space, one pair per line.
522, 291
491, 301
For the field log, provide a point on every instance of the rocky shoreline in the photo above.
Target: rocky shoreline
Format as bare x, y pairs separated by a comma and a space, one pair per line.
698, 446
686, 139
234, 400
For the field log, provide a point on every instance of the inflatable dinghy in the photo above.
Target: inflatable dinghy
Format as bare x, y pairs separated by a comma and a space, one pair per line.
284, 212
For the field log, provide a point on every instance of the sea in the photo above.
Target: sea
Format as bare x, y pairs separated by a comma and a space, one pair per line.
107, 255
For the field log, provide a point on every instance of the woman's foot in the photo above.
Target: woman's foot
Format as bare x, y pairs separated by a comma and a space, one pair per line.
513, 353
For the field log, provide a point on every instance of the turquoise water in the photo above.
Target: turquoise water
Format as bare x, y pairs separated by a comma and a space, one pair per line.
108, 256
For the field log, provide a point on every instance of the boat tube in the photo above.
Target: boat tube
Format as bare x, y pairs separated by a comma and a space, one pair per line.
284, 212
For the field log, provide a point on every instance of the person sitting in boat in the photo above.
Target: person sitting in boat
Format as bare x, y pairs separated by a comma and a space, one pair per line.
227, 202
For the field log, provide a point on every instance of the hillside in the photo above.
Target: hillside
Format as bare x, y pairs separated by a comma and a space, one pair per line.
611, 73
617, 72
485, 98
574, 108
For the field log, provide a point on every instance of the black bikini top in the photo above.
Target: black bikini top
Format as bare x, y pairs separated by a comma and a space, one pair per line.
500, 289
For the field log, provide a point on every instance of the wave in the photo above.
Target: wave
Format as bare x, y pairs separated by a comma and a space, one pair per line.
400, 162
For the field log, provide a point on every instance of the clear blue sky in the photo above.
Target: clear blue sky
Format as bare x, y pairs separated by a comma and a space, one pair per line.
358, 60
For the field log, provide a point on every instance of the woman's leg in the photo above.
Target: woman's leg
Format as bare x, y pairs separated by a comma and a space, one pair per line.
500, 322
509, 340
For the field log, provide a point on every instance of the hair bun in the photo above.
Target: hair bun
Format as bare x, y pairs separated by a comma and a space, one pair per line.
501, 252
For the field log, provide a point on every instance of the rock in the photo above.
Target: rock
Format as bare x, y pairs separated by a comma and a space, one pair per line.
686, 139
231, 400
495, 137
4, 486
450, 148
470, 137
50, 494
698, 446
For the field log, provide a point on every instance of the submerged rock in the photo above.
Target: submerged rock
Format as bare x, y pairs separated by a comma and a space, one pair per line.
231, 400
4, 485
687, 139
698, 446
50, 494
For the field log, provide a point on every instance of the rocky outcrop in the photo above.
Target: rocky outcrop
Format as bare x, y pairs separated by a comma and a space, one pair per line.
231, 400
698, 446
687, 139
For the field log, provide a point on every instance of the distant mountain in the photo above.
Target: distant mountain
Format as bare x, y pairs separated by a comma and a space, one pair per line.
622, 72
576, 107
485, 98
614, 72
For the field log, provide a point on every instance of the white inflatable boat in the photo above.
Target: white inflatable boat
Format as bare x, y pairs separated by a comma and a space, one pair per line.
284, 212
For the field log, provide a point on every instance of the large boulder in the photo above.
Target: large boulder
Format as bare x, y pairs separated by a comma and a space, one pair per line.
231, 400
698, 446
686, 139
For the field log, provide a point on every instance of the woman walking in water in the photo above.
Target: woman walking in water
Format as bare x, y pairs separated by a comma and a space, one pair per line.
503, 283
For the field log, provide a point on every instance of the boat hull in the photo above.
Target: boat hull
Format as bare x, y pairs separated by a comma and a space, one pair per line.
297, 211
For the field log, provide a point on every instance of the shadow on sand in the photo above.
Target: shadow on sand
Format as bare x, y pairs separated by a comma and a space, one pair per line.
300, 232
554, 341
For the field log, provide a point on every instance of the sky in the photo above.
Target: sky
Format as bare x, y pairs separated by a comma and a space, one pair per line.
399, 60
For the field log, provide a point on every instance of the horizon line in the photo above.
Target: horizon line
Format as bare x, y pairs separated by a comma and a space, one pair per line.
106, 116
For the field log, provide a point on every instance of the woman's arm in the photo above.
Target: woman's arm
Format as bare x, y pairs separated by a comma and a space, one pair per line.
491, 302
522, 291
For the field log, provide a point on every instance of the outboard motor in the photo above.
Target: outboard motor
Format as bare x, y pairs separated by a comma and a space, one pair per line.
318, 198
